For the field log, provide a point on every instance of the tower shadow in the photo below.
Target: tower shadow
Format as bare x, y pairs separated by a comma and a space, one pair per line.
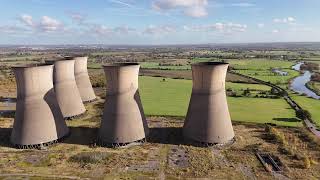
166, 135
5, 134
81, 136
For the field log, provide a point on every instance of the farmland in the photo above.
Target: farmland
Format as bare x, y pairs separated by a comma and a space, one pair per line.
165, 85
172, 97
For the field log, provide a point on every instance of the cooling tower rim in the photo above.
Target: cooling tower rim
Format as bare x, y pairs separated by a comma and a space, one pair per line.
25, 66
210, 63
120, 64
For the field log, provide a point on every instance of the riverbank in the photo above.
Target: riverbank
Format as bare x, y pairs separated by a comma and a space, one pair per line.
314, 86
299, 84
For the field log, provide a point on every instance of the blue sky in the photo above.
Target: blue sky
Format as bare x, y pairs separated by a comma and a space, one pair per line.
158, 21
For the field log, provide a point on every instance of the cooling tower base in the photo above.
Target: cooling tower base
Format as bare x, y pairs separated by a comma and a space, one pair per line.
121, 145
41, 146
207, 144
76, 116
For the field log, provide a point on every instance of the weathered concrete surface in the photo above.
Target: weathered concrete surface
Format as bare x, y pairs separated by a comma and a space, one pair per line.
38, 117
83, 80
123, 116
208, 119
66, 89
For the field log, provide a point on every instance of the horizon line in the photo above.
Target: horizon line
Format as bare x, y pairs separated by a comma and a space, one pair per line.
169, 44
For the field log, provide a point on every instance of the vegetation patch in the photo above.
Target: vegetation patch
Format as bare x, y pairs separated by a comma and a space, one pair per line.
84, 158
291, 146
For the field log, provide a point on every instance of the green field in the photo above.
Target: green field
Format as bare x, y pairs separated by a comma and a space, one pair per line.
312, 105
155, 65
20, 58
258, 68
261, 69
171, 98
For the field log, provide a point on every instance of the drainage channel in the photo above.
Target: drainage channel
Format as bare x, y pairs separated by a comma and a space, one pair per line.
268, 162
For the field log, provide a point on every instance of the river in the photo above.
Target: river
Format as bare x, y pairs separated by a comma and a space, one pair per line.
298, 84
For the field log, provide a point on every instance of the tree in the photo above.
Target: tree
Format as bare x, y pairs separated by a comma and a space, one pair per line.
246, 92
274, 91
303, 114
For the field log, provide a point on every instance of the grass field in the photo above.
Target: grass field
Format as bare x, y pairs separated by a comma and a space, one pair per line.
155, 65
20, 58
261, 69
314, 86
171, 98
312, 105
258, 68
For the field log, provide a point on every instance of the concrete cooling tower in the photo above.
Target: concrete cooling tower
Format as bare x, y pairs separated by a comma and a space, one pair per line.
208, 119
38, 121
66, 89
83, 80
123, 117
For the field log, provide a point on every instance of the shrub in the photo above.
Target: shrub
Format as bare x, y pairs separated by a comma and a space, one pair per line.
313, 162
246, 92
303, 114
98, 80
306, 162
89, 157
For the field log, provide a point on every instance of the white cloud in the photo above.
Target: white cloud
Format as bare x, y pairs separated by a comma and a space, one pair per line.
275, 31
291, 19
157, 30
197, 11
243, 4
102, 30
193, 8
287, 20
124, 30
219, 27
27, 19
261, 25
46, 23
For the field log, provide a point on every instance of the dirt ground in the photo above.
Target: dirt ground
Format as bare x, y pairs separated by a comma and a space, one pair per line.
165, 155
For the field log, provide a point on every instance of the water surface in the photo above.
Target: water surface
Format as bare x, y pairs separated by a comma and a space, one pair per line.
298, 84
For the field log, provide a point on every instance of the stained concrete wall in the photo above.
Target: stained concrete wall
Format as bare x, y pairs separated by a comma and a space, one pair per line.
66, 89
38, 117
83, 80
208, 119
123, 116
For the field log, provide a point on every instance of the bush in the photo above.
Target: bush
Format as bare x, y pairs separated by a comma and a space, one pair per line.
303, 114
98, 80
89, 157
246, 92
306, 162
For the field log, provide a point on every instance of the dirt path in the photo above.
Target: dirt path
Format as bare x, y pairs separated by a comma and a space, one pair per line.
27, 176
